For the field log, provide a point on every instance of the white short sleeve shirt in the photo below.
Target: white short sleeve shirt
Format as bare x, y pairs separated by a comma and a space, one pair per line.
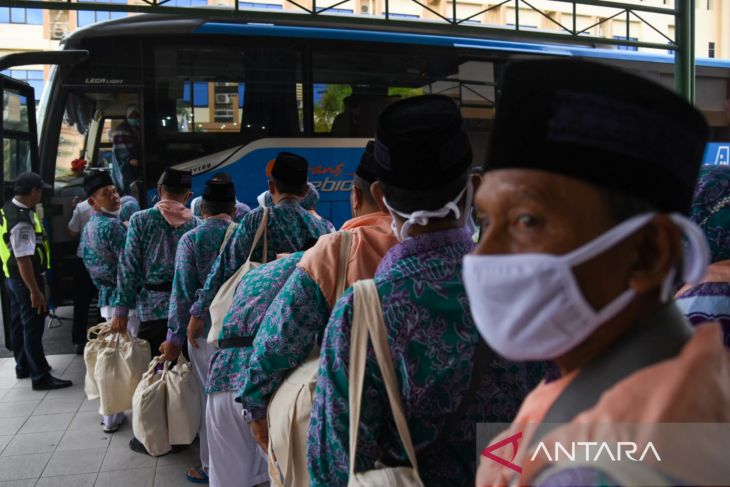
22, 237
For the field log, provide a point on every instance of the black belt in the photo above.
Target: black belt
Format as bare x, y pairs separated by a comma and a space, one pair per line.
165, 287
236, 342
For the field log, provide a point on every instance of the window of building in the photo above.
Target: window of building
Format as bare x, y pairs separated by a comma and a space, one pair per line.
32, 16
626, 48
34, 77
711, 50
185, 3
85, 18
272, 6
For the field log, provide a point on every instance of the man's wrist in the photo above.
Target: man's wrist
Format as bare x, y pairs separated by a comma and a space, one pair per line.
174, 339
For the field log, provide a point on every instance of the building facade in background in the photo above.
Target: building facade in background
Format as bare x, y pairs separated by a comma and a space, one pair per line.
23, 29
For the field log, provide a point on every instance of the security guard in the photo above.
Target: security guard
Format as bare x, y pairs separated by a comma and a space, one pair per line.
25, 255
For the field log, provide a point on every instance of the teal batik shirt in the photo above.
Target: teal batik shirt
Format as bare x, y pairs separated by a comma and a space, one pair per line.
288, 332
253, 297
432, 340
148, 259
196, 252
290, 228
102, 242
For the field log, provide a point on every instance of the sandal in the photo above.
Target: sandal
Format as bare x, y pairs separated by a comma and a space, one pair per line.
197, 475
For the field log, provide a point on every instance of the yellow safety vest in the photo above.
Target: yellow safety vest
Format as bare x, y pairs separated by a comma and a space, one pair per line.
9, 217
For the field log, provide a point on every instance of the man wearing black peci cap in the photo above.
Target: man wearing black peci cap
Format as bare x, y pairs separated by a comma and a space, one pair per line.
290, 333
422, 156
25, 254
289, 228
102, 242
589, 179
147, 265
196, 252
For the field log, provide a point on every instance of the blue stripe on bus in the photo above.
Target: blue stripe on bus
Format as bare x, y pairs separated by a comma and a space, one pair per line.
270, 30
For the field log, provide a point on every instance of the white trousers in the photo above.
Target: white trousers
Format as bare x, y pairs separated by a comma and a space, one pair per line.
200, 357
133, 327
235, 458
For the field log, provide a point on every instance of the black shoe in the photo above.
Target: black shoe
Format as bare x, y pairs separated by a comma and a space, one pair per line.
136, 446
21, 374
49, 383
79, 350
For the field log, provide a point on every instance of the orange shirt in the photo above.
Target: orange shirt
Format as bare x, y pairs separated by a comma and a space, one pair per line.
372, 237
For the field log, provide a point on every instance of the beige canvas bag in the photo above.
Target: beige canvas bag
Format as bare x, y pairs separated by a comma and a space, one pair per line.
224, 298
291, 405
149, 409
120, 363
368, 320
95, 338
183, 403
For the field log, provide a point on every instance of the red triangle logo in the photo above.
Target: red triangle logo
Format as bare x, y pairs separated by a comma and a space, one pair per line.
514, 440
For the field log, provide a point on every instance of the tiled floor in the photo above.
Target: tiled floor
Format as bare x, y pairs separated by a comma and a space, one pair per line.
53, 439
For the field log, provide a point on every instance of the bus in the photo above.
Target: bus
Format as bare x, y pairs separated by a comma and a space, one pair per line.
221, 95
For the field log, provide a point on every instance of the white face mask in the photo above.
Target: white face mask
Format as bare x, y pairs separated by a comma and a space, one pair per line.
422, 217
115, 213
530, 307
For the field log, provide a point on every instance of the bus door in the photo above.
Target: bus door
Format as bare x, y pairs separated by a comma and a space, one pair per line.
93, 120
20, 151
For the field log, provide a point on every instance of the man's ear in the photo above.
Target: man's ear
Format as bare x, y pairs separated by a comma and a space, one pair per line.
357, 198
272, 188
658, 251
376, 190
91, 202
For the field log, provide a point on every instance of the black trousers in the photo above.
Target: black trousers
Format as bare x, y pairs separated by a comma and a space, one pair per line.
84, 293
26, 330
155, 332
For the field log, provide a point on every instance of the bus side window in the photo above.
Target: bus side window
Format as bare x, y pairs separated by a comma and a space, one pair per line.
16, 152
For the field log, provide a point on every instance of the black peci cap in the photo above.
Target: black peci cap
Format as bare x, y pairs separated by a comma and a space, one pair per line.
601, 125
366, 169
219, 192
96, 180
27, 182
175, 178
421, 143
290, 169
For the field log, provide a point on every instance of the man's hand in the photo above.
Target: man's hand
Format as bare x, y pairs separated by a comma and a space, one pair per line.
260, 432
195, 330
169, 351
119, 324
38, 301
134, 162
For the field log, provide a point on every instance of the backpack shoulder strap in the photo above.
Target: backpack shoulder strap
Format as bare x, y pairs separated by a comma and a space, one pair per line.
229, 232
342, 263
368, 320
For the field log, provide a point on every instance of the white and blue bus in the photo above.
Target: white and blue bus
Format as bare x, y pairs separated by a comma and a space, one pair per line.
221, 95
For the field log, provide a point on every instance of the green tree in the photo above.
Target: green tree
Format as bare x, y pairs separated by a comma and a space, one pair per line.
329, 105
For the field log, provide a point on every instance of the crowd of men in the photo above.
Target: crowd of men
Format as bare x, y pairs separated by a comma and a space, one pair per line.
563, 310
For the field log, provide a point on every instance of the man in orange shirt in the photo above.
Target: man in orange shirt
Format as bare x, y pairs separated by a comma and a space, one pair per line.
588, 182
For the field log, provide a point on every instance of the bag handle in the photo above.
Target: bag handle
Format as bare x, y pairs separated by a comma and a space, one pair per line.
101, 330
342, 264
367, 313
229, 232
261, 230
